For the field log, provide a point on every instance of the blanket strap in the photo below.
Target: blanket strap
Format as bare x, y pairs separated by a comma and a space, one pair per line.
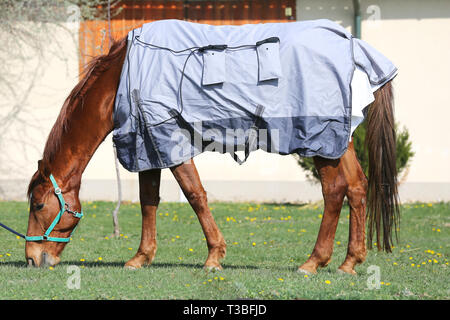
251, 143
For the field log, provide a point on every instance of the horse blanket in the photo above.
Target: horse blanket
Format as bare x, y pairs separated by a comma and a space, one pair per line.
187, 88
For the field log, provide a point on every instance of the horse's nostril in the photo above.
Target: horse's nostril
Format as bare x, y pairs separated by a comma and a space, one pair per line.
45, 259
30, 262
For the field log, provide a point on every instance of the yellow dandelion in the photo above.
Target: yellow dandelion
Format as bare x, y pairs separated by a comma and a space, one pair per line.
106, 238
327, 281
130, 248
280, 279
51, 268
305, 276
191, 250
99, 258
253, 243
82, 260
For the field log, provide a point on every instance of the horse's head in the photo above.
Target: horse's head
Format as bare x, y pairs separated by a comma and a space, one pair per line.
54, 213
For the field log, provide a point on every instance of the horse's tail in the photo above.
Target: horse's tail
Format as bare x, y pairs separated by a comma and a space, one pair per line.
383, 212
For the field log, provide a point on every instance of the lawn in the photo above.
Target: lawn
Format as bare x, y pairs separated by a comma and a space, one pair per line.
266, 244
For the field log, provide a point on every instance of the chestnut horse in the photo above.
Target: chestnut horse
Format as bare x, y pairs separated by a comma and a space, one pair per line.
85, 120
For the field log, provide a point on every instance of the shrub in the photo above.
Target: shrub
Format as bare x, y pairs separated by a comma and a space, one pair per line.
404, 153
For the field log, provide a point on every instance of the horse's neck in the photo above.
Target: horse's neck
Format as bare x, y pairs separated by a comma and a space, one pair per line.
88, 125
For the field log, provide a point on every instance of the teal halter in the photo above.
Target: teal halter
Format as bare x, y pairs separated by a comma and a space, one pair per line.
64, 207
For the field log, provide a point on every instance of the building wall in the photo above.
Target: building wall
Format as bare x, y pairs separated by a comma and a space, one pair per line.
413, 34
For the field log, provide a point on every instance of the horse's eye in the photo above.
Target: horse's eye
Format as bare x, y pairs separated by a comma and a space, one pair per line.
39, 206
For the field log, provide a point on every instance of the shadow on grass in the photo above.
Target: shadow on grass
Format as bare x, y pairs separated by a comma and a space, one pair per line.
157, 265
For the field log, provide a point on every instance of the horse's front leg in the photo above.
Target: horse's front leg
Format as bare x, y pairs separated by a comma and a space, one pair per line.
149, 182
187, 176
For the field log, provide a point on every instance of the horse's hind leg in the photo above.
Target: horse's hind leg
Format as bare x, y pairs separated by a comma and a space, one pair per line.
334, 187
356, 195
149, 182
187, 176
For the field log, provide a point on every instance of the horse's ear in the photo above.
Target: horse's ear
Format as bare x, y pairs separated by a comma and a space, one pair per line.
42, 168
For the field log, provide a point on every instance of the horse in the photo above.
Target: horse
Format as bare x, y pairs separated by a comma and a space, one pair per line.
85, 120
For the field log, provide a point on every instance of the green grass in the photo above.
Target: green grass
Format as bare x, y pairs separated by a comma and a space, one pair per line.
262, 256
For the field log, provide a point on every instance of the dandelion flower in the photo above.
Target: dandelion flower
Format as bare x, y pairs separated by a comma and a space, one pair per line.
327, 281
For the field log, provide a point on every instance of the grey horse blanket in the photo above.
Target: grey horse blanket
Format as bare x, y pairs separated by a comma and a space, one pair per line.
187, 88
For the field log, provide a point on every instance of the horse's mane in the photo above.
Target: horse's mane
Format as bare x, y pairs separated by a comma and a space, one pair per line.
91, 73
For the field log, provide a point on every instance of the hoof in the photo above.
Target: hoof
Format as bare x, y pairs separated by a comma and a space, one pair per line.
212, 268
346, 271
307, 272
131, 267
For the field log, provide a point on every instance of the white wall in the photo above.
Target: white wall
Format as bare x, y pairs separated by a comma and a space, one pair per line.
414, 34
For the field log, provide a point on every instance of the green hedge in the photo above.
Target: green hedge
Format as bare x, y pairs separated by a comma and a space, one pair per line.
404, 152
